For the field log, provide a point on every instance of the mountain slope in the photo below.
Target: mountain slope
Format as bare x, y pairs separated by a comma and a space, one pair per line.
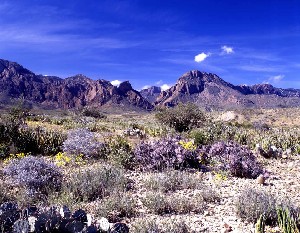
73, 92
208, 90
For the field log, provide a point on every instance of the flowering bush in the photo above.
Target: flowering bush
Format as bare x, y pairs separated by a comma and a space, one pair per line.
82, 141
37, 175
167, 153
236, 159
188, 145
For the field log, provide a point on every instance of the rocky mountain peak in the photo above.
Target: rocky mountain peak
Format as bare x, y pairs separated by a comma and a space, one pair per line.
125, 87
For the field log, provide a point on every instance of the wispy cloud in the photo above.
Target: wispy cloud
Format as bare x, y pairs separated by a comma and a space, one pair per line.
159, 82
276, 78
201, 57
258, 68
116, 82
227, 50
38, 37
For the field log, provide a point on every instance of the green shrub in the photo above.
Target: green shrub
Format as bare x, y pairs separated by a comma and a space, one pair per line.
39, 141
117, 206
166, 226
145, 226
172, 180
120, 152
251, 204
96, 183
202, 137
4, 150
182, 118
158, 203
92, 112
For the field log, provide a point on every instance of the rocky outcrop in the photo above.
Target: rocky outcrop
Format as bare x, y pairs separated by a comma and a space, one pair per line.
151, 93
72, 92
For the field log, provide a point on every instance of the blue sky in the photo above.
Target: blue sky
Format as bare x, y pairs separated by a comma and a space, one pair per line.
154, 42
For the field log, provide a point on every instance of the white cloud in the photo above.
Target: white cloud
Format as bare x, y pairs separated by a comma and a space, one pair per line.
116, 82
159, 82
201, 57
146, 87
227, 50
276, 79
165, 87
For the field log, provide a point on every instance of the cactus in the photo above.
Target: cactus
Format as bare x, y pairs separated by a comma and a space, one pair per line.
286, 222
260, 224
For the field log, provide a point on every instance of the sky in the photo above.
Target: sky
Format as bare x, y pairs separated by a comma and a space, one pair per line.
150, 42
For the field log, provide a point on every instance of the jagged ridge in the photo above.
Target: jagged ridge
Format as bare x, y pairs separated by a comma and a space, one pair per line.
72, 92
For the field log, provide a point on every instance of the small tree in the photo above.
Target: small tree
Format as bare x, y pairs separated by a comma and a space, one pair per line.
182, 118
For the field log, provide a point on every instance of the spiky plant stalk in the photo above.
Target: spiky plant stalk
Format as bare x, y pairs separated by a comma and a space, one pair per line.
286, 222
260, 225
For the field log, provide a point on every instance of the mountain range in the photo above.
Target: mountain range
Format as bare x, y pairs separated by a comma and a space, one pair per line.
204, 89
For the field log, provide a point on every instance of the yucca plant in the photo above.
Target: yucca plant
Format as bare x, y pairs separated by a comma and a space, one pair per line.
260, 224
286, 221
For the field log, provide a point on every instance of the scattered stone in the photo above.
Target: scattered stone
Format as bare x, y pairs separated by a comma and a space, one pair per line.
31, 221
286, 154
103, 224
227, 228
89, 219
261, 179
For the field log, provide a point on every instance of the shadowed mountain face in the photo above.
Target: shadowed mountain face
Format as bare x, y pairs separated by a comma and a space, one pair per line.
208, 90
204, 89
73, 92
151, 93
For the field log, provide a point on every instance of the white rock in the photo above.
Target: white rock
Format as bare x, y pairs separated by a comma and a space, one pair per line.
89, 219
274, 148
31, 221
103, 224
